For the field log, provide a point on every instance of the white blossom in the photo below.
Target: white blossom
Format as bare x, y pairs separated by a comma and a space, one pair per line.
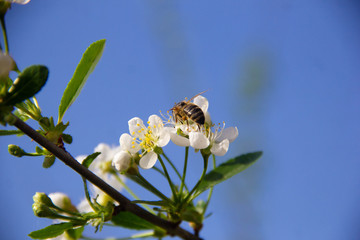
101, 166
221, 138
205, 136
60, 200
144, 139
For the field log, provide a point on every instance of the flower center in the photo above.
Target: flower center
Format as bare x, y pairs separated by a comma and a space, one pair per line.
147, 138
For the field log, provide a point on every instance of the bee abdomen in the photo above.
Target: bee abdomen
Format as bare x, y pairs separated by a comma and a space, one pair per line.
195, 113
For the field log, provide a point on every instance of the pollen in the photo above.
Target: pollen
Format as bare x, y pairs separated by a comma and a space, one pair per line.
138, 124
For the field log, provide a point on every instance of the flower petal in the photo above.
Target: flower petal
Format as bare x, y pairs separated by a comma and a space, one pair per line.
208, 118
155, 124
164, 138
121, 161
230, 133
198, 140
177, 139
219, 149
127, 143
136, 127
148, 161
105, 152
202, 102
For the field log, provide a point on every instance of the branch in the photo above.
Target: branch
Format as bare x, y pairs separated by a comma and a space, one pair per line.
172, 228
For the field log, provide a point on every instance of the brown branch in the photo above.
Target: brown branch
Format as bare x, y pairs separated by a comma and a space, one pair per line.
172, 228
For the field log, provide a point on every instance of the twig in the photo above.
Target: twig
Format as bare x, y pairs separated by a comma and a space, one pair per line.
172, 228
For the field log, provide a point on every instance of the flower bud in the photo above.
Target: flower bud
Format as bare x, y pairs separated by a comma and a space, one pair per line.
62, 201
16, 150
42, 198
41, 210
122, 161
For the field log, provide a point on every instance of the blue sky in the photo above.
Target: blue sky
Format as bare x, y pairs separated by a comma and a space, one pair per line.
286, 73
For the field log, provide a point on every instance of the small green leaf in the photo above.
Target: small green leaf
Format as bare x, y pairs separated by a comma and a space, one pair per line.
130, 220
67, 138
87, 64
51, 231
89, 159
28, 83
48, 161
227, 169
75, 233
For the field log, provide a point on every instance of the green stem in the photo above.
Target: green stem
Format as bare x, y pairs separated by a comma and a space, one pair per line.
131, 192
87, 195
184, 171
126, 187
172, 165
168, 178
66, 211
172, 229
211, 189
206, 158
2, 19
153, 189
159, 171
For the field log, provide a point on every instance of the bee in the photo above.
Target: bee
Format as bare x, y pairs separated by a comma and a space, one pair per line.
186, 111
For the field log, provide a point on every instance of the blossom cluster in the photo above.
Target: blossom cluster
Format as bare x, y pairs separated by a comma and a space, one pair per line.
101, 166
142, 144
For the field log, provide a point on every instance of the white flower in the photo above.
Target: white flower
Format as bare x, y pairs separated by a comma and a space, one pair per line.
18, 1
142, 138
60, 200
101, 166
6, 64
201, 137
203, 103
84, 207
220, 140
191, 134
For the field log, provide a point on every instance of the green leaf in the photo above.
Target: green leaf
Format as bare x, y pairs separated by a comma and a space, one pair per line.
130, 220
89, 159
28, 83
51, 231
87, 64
227, 169
75, 233
48, 161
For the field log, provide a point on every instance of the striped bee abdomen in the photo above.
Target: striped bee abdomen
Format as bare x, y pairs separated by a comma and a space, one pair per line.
195, 113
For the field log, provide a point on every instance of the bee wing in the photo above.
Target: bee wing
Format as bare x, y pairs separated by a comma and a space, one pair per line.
197, 95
